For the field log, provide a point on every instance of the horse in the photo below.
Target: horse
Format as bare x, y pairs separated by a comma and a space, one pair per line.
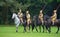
16, 20
36, 22
25, 23
48, 24
57, 23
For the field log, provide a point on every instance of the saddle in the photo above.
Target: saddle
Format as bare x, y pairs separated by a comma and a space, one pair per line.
56, 20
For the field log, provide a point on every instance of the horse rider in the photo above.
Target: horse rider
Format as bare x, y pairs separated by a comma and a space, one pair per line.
54, 17
41, 16
28, 17
20, 14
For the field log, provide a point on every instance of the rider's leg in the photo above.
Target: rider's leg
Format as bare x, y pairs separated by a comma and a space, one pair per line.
52, 22
21, 21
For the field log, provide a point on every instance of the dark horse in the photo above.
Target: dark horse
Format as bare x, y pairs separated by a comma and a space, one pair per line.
57, 23
36, 22
48, 24
25, 23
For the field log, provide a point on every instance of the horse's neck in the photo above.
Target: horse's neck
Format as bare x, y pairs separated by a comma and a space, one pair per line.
16, 16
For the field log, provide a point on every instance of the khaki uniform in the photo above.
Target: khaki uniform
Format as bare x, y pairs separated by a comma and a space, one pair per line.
54, 17
20, 14
21, 17
41, 17
28, 18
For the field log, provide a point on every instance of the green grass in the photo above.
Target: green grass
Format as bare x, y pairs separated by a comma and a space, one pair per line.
9, 31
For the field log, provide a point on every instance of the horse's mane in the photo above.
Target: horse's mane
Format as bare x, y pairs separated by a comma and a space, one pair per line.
46, 17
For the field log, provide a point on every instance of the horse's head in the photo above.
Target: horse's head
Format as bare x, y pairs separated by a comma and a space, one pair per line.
13, 16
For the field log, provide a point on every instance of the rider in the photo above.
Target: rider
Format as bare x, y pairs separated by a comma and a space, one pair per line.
28, 17
20, 14
41, 16
54, 17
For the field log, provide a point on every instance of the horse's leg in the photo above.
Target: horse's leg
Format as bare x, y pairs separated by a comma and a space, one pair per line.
40, 27
49, 28
36, 27
24, 29
24, 25
58, 29
29, 27
17, 27
46, 28
32, 26
43, 26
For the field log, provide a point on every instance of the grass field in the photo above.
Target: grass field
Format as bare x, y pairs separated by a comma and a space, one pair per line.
9, 31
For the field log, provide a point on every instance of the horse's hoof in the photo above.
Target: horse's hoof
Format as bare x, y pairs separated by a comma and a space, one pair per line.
37, 31
43, 31
56, 32
23, 31
40, 31
16, 31
49, 31
32, 30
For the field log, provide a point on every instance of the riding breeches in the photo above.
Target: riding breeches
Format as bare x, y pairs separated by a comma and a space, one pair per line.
53, 22
28, 21
21, 20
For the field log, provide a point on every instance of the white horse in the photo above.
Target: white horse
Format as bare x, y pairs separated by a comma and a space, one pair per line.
16, 20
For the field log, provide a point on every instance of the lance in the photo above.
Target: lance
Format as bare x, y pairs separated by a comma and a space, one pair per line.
58, 7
